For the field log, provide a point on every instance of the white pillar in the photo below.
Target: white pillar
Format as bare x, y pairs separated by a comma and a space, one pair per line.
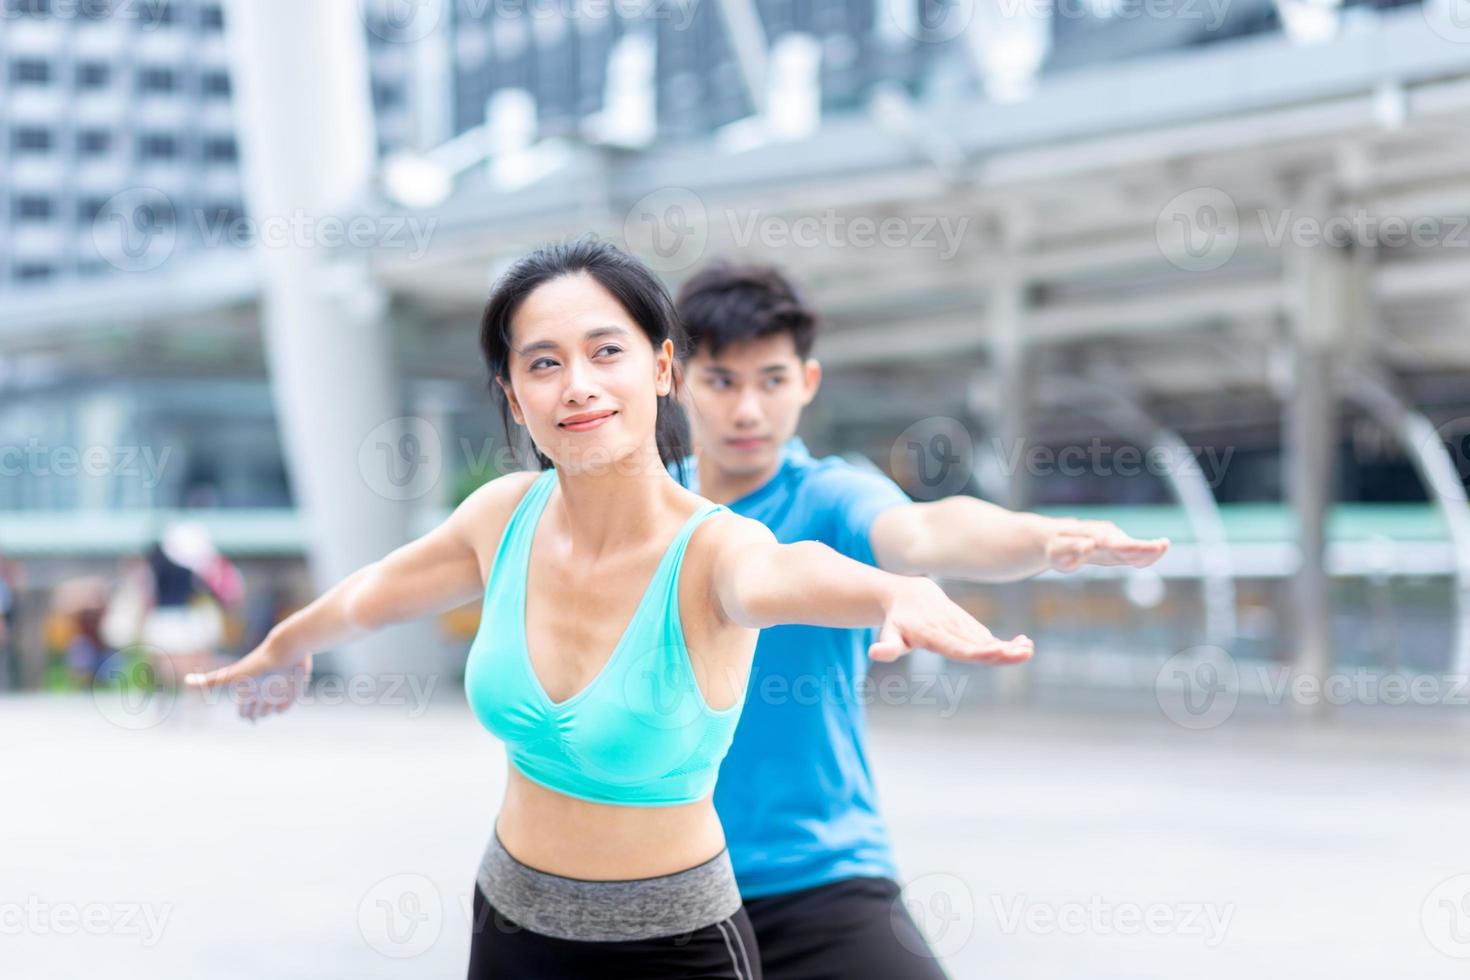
1319, 283
304, 114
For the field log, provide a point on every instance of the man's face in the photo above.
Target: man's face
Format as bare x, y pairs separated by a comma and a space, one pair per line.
744, 404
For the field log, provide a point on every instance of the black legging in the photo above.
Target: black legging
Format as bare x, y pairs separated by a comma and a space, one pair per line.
502, 950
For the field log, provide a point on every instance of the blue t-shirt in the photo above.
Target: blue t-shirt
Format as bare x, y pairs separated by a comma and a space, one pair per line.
795, 794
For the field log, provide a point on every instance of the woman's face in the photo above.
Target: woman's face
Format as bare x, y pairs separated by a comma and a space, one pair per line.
583, 377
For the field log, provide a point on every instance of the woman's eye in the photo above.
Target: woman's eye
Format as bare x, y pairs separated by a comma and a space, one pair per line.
541, 361
610, 347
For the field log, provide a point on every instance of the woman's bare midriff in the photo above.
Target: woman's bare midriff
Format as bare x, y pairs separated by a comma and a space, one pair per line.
562, 835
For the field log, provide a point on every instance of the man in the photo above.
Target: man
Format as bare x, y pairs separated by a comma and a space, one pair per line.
795, 795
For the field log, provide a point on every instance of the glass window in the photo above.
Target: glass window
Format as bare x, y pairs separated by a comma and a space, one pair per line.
158, 146
31, 139
93, 74
29, 71
33, 207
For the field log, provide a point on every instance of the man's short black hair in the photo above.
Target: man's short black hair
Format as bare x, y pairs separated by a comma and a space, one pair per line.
726, 303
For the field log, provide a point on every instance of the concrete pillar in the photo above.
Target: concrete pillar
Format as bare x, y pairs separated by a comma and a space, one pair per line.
1320, 293
304, 113
1011, 370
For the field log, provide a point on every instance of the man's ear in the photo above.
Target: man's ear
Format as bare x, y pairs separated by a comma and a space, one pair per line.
811, 379
510, 397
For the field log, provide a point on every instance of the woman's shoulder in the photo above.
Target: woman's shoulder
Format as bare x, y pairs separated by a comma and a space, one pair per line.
722, 528
483, 515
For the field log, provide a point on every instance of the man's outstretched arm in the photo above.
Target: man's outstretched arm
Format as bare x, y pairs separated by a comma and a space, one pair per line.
967, 538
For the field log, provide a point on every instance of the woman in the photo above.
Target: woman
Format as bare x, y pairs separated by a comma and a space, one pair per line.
620, 614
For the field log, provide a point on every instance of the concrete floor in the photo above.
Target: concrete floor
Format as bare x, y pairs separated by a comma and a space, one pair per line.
1045, 843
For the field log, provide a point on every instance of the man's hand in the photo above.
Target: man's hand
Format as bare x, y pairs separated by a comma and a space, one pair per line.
1075, 543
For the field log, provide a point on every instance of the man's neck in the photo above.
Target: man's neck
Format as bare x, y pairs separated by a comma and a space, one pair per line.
722, 487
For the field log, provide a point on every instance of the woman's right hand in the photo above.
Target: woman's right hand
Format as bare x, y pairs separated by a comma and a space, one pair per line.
266, 680
918, 614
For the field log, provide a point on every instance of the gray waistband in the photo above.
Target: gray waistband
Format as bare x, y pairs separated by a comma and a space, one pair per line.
608, 911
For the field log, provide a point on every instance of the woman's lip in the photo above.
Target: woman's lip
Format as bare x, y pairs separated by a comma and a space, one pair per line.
749, 441
583, 425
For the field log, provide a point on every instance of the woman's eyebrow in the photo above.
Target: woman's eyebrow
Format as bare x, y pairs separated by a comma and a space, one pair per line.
593, 334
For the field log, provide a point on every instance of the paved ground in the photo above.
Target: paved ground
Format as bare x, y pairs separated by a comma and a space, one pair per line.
335, 841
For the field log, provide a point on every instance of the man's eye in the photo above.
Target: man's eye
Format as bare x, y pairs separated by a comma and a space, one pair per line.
610, 347
774, 382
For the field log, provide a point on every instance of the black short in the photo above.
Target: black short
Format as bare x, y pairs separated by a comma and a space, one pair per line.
851, 929
502, 950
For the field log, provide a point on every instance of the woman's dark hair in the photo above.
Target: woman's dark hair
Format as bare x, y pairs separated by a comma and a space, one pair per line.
635, 287
725, 303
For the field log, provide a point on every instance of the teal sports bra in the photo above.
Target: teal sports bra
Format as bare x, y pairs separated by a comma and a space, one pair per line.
640, 733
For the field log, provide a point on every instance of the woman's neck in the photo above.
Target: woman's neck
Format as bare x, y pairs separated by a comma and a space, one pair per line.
614, 505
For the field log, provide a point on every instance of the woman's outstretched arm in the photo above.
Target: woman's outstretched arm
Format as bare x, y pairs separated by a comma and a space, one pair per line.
759, 582
435, 572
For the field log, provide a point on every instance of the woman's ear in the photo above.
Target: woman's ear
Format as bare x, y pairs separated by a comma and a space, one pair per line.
664, 368
510, 398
